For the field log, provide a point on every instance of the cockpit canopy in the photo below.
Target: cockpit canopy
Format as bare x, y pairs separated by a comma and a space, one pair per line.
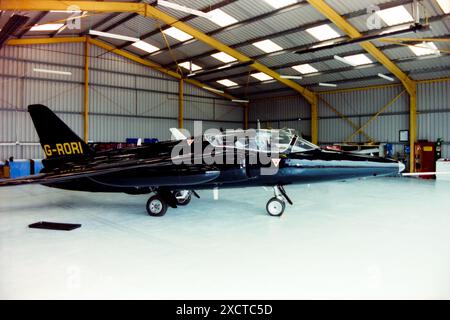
260, 140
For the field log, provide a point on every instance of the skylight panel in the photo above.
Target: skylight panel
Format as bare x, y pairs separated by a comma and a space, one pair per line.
145, 46
47, 27
267, 46
395, 15
187, 65
222, 56
305, 69
445, 5
177, 34
424, 49
261, 76
227, 83
358, 59
323, 32
280, 3
221, 18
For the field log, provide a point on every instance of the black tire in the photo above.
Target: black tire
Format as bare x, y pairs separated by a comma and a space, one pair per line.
156, 206
184, 202
275, 207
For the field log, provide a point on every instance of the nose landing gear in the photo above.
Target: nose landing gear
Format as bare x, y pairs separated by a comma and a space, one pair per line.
276, 205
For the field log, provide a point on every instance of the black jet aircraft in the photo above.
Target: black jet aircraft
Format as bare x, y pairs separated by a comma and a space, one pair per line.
71, 164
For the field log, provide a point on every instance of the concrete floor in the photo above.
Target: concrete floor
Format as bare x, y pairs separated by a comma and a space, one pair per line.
378, 238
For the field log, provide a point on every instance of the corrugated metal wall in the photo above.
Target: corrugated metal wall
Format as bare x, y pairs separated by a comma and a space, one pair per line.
433, 120
125, 98
283, 112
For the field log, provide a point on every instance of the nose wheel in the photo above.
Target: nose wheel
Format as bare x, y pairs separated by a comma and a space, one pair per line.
276, 205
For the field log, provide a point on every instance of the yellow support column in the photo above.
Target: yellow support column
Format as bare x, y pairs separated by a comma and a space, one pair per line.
246, 110
412, 127
86, 91
180, 103
315, 120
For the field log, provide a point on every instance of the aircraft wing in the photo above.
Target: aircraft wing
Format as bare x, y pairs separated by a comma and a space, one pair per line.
84, 171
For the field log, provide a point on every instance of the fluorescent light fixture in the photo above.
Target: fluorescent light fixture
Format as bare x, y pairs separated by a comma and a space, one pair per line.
227, 83
261, 76
221, 18
177, 34
445, 5
280, 3
64, 73
190, 66
338, 58
285, 76
324, 84
354, 60
385, 77
323, 32
183, 9
112, 36
267, 46
395, 15
47, 27
305, 68
425, 48
222, 56
240, 101
145, 46
213, 89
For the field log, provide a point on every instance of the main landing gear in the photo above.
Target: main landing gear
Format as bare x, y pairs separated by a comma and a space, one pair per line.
276, 205
158, 204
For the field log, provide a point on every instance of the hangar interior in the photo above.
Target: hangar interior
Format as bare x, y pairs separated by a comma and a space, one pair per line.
351, 75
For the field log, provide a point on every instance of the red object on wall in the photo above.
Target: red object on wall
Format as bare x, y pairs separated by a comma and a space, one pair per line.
425, 158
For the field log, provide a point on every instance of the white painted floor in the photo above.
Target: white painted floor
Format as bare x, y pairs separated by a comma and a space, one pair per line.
379, 238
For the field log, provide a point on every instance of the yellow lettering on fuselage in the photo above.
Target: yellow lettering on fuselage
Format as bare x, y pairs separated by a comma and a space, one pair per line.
62, 149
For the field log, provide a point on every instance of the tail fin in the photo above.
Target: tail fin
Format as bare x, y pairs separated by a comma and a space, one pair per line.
56, 138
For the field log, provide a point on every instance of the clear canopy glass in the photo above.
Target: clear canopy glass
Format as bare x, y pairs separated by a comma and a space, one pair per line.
274, 141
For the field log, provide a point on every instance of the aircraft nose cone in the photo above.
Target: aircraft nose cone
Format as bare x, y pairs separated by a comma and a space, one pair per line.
401, 167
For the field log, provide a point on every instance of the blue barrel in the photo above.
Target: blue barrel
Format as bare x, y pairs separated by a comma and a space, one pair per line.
19, 168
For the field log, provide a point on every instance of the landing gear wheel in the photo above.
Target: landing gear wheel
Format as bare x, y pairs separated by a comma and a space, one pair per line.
156, 206
184, 202
275, 207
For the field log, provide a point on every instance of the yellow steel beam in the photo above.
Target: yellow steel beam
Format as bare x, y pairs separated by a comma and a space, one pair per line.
315, 120
434, 80
352, 32
150, 11
246, 111
381, 86
18, 42
86, 91
345, 118
180, 103
157, 14
97, 6
412, 128
390, 103
153, 65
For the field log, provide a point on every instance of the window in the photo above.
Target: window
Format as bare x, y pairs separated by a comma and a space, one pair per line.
267, 46
177, 34
261, 76
395, 15
221, 18
188, 65
222, 56
227, 83
323, 32
305, 69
